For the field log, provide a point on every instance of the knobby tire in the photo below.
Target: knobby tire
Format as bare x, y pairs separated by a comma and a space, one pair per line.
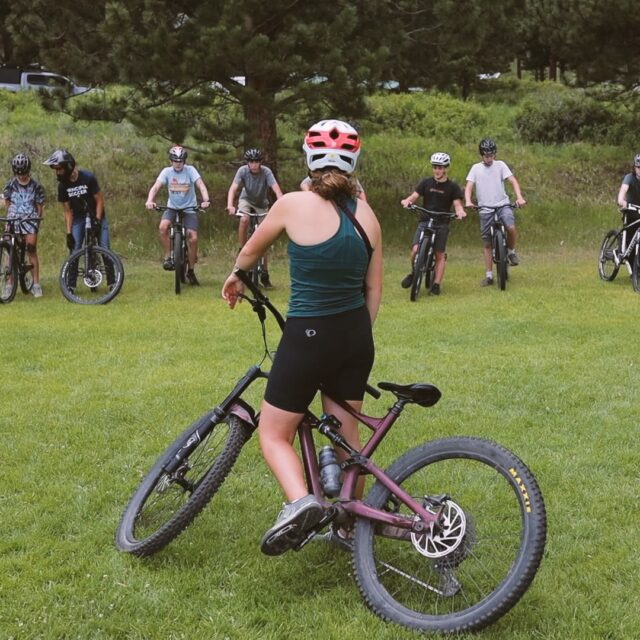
499, 548
26, 278
178, 260
501, 258
86, 274
419, 268
607, 267
164, 504
8, 273
635, 269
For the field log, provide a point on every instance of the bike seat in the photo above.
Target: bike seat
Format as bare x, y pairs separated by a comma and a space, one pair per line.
426, 395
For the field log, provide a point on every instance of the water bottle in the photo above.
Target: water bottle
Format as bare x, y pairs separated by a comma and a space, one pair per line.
329, 471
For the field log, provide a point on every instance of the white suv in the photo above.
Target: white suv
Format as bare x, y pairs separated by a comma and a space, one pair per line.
17, 79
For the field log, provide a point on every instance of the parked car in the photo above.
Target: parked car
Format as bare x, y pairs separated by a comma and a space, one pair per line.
21, 79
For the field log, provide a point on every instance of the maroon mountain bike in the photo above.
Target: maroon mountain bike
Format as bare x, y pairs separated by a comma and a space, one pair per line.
448, 538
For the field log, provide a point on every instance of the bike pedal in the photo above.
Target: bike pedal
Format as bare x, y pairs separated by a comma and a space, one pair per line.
328, 517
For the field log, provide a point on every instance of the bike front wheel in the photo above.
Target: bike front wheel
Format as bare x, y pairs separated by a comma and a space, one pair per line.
500, 252
91, 275
479, 564
419, 269
165, 503
607, 266
635, 270
178, 260
8, 274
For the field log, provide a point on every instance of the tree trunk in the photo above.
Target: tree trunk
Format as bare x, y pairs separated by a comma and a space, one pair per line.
553, 67
261, 130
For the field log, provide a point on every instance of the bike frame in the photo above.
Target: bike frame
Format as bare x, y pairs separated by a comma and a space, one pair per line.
358, 462
254, 222
17, 242
635, 239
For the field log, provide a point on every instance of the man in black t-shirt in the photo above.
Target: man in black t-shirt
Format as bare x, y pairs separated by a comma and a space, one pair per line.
78, 190
630, 194
438, 194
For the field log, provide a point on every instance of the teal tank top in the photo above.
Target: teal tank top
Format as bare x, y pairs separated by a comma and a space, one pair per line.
327, 278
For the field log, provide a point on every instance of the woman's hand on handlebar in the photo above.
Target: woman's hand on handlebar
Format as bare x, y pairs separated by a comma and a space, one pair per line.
150, 205
232, 289
231, 210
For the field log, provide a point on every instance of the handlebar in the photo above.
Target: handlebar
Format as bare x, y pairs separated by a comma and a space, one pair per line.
432, 214
633, 208
260, 301
251, 214
162, 209
513, 205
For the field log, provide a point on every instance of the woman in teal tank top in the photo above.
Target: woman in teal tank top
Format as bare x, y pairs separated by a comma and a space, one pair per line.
336, 286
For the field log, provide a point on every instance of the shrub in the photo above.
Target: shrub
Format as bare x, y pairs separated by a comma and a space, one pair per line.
431, 115
556, 114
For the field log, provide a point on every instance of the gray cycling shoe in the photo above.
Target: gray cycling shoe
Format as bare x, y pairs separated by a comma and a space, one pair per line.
294, 521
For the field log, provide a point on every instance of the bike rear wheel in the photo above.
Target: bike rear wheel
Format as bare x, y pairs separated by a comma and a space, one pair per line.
91, 275
166, 503
8, 273
635, 270
607, 267
482, 561
500, 253
419, 268
26, 277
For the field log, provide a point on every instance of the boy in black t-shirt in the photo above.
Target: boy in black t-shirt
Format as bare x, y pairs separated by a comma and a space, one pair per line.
438, 194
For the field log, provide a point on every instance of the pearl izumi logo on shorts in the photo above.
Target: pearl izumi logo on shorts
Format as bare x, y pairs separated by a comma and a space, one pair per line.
310, 332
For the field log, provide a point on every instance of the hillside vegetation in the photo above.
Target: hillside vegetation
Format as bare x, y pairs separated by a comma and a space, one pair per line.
570, 186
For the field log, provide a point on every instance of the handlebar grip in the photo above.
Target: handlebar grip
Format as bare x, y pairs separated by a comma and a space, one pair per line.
372, 391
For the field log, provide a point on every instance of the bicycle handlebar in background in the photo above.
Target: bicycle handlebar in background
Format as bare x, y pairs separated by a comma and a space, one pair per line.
513, 205
433, 214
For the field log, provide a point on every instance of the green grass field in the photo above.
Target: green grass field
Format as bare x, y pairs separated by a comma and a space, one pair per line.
91, 396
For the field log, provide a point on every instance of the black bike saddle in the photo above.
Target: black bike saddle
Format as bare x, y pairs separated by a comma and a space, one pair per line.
425, 395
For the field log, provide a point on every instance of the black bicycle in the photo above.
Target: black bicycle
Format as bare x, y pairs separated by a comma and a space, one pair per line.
259, 270
424, 261
91, 274
14, 266
178, 247
622, 246
449, 537
499, 249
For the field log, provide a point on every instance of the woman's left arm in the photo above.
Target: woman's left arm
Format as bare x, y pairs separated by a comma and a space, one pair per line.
265, 235
373, 279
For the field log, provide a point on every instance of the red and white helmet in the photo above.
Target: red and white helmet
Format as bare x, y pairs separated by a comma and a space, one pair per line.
332, 143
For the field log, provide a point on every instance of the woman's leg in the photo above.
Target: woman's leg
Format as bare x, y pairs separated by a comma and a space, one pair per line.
349, 430
276, 431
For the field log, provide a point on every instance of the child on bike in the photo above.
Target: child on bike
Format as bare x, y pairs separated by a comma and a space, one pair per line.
438, 194
488, 177
629, 193
253, 180
24, 198
181, 180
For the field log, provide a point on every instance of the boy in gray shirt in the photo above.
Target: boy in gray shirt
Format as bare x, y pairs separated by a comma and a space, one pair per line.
253, 180
488, 177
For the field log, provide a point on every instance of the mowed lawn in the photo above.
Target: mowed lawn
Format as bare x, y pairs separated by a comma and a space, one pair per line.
92, 395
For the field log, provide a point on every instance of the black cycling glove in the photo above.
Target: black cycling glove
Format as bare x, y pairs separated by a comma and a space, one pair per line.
70, 242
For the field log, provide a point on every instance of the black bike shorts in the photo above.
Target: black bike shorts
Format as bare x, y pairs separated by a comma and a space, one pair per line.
333, 351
